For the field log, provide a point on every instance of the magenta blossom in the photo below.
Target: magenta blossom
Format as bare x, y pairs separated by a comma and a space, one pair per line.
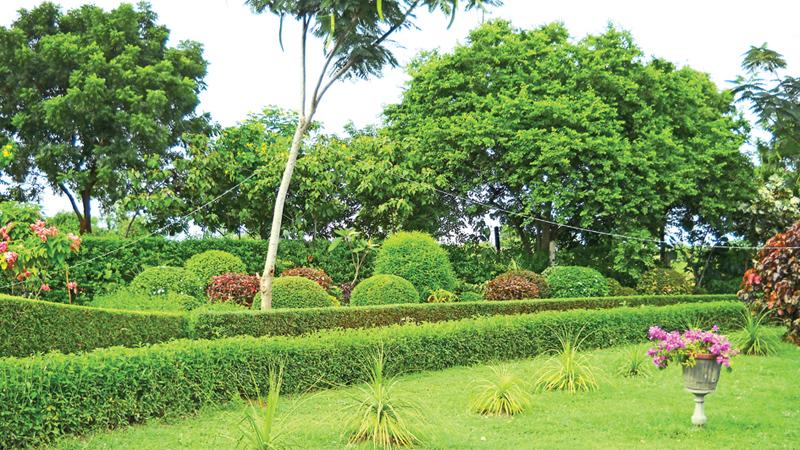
685, 347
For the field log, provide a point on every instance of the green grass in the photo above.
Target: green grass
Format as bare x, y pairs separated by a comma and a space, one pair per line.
755, 406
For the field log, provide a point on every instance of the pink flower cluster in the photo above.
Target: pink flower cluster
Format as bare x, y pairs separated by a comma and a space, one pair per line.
685, 347
41, 229
11, 259
74, 242
4, 232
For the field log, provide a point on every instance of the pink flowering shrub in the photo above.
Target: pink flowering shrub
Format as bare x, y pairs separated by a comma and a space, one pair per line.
687, 346
234, 287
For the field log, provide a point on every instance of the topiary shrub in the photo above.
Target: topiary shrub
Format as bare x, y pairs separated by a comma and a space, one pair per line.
384, 290
615, 289
299, 292
160, 280
442, 296
418, 258
517, 285
316, 275
663, 281
212, 263
575, 281
233, 288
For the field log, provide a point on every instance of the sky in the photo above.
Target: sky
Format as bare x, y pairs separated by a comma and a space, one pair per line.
248, 70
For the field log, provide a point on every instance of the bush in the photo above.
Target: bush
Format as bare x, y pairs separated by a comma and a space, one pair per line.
442, 296
575, 281
316, 275
212, 263
163, 279
470, 296
45, 398
136, 301
615, 288
418, 258
299, 292
517, 285
663, 281
234, 288
35, 326
384, 290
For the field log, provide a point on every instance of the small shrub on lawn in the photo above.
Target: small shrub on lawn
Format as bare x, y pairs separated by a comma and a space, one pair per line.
568, 369
517, 285
442, 296
259, 428
575, 281
316, 275
212, 263
663, 281
418, 258
751, 340
234, 288
299, 292
504, 394
384, 290
160, 280
635, 364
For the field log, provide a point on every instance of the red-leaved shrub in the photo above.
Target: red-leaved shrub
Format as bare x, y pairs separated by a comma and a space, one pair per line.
234, 287
516, 285
316, 275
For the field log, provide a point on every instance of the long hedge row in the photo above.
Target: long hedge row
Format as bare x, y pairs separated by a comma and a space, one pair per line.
45, 397
31, 326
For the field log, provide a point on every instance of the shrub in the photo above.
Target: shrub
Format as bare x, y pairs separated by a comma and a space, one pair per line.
442, 296
517, 285
234, 288
299, 292
663, 281
568, 369
470, 296
316, 275
163, 279
418, 258
615, 288
627, 291
45, 398
137, 301
575, 281
212, 263
752, 340
384, 290
503, 394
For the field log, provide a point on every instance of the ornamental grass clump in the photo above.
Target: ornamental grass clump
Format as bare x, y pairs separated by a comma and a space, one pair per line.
568, 369
503, 394
685, 347
258, 427
634, 365
751, 340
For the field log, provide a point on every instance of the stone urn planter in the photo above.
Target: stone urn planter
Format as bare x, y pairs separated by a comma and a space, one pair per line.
701, 379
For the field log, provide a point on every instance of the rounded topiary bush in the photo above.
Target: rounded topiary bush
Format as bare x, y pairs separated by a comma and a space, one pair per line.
299, 292
161, 280
212, 263
316, 275
663, 281
234, 288
418, 258
517, 285
575, 281
384, 290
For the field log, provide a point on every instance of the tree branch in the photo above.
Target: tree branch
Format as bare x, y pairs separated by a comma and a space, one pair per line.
71, 200
303, 64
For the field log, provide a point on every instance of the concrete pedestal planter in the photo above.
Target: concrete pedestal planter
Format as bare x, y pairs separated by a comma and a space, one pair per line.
701, 379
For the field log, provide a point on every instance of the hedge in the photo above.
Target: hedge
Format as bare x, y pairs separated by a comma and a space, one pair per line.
33, 326
44, 398
296, 322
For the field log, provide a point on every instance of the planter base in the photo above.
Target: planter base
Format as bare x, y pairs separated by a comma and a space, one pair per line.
699, 417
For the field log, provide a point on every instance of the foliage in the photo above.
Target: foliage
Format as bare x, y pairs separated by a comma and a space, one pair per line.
663, 281
359, 247
575, 281
299, 292
418, 258
11, 211
517, 285
568, 369
260, 427
211, 263
384, 290
95, 98
138, 301
161, 280
687, 346
234, 288
634, 364
774, 206
477, 263
614, 287
470, 296
28, 327
752, 339
316, 275
503, 394
442, 296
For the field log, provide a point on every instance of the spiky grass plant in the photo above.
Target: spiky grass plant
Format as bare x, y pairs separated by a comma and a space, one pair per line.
635, 364
503, 394
259, 426
751, 340
377, 415
567, 369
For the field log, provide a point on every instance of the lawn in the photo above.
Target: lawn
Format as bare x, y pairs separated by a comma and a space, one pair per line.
756, 405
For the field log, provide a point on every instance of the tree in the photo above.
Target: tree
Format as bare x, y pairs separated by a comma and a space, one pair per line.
357, 36
91, 96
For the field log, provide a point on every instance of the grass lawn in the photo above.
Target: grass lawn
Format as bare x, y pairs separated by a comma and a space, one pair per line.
755, 406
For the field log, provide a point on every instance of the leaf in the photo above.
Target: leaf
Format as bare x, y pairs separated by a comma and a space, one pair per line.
333, 27
380, 9
334, 243
453, 14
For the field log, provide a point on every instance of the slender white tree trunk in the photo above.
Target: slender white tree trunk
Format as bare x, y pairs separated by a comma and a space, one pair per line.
277, 215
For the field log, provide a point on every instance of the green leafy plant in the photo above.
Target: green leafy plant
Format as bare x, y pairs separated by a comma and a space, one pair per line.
213, 263
384, 290
161, 280
299, 292
359, 247
504, 394
259, 427
575, 281
138, 301
568, 369
751, 340
442, 296
661, 281
635, 364
418, 258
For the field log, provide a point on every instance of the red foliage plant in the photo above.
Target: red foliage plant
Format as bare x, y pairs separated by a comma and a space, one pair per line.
316, 275
773, 284
234, 287
515, 285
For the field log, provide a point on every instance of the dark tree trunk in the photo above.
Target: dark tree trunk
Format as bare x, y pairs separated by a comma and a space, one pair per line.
664, 255
86, 220
516, 224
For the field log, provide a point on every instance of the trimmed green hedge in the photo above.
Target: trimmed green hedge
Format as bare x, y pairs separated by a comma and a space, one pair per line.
296, 322
33, 326
44, 398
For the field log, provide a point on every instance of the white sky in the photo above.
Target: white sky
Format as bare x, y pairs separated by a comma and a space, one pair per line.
248, 70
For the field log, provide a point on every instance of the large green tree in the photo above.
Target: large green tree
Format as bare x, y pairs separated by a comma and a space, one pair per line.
91, 97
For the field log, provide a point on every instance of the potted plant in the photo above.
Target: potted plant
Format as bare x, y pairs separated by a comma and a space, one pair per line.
701, 354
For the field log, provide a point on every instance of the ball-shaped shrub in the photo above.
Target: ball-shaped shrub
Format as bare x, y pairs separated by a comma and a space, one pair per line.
299, 292
418, 258
575, 281
316, 275
516, 285
661, 280
384, 290
161, 280
212, 263
233, 288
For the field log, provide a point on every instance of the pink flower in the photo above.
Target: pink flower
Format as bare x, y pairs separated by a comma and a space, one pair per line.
41, 229
45, 287
4, 232
11, 258
3, 246
74, 242
72, 286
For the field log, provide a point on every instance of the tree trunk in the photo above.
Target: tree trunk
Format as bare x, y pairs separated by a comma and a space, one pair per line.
86, 220
523, 236
277, 215
663, 256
